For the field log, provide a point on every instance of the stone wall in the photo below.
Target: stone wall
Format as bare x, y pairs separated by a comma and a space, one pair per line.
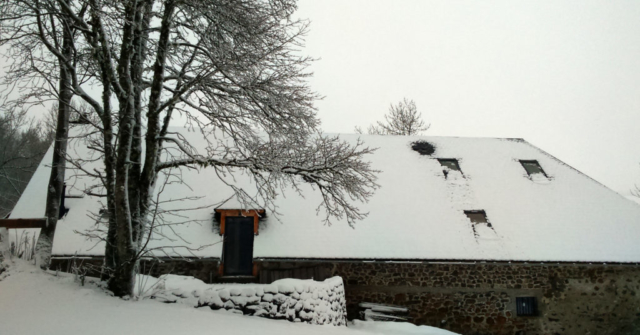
271, 271
465, 298
313, 302
203, 269
480, 298
206, 270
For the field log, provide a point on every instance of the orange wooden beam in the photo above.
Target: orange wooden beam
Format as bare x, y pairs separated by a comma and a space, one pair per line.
22, 223
222, 217
237, 212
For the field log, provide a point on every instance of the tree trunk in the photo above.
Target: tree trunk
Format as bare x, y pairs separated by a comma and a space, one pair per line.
103, 57
123, 278
55, 190
124, 248
121, 284
142, 19
153, 143
133, 186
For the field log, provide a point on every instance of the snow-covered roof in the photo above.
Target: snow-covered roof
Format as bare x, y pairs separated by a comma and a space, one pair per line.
417, 214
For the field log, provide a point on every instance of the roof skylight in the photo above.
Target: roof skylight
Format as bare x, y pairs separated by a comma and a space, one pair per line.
449, 164
477, 216
532, 167
479, 221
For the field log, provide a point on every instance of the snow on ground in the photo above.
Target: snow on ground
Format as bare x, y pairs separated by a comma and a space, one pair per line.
36, 302
401, 328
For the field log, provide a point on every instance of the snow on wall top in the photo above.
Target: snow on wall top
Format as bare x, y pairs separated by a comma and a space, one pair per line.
416, 214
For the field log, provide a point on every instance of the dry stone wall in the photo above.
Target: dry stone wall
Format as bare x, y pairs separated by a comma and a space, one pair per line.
480, 298
319, 303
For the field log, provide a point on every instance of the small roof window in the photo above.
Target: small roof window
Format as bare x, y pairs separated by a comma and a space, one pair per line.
532, 167
479, 223
477, 216
450, 163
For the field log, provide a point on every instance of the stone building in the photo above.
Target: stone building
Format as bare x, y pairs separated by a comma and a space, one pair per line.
475, 235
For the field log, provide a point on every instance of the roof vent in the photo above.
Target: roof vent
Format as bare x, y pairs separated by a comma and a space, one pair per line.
423, 147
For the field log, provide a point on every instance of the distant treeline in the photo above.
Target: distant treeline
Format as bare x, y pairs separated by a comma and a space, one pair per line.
23, 143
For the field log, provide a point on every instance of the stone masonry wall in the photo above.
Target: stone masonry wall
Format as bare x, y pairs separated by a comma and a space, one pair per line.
480, 298
467, 298
203, 269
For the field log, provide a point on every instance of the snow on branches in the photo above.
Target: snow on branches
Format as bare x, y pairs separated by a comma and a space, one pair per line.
231, 68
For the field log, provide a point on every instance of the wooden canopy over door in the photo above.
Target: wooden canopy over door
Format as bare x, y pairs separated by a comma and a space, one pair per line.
254, 214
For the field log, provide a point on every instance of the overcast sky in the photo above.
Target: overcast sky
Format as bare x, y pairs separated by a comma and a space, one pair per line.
563, 75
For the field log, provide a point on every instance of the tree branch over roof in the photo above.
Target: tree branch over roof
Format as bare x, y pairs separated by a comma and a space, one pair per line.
334, 167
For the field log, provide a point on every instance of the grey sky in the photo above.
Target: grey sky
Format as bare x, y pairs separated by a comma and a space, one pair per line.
564, 75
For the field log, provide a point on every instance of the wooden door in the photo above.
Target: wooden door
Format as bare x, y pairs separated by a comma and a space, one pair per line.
238, 246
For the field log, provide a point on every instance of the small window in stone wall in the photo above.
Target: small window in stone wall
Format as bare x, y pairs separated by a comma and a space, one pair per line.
526, 306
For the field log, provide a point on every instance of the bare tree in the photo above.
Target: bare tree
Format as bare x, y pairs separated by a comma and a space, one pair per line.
232, 69
41, 52
402, 119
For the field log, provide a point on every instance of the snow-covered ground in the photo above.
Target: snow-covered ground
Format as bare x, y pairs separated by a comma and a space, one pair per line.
36, 302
